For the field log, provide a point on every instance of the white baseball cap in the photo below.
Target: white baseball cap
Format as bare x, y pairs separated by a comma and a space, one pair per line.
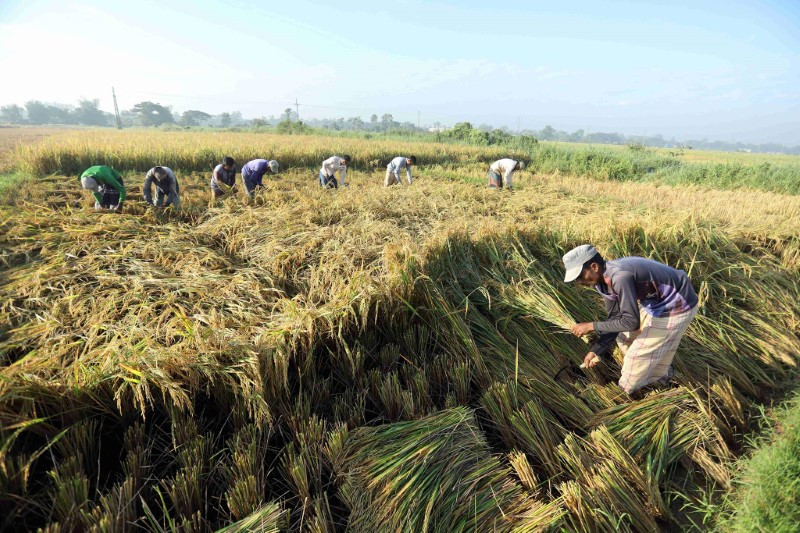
274, 166
575, 259
88, 182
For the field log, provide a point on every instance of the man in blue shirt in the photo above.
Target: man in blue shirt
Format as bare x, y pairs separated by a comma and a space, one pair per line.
253, 174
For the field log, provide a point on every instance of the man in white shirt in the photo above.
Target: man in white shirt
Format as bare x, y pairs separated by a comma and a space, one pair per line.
393, 170
502, 171
327, 174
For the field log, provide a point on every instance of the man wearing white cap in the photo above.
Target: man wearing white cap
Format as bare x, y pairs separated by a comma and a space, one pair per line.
253, 174
106, 186
647, 332
501, 172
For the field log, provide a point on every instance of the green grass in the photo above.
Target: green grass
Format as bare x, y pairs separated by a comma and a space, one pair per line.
618, 164
10, 183
768, 494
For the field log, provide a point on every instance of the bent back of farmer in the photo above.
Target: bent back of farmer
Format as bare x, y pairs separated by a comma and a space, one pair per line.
649, 306
501, 172
253, 174
223, 178
394, 167
332, 165
106, 185
166, 184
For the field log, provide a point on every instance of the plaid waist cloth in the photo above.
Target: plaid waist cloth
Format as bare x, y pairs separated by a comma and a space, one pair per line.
649, 351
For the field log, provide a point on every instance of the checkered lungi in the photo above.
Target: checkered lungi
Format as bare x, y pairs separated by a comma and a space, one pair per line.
649, 351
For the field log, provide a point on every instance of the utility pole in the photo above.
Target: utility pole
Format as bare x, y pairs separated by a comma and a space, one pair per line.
116, 109
418, 115
297, 109
518, 120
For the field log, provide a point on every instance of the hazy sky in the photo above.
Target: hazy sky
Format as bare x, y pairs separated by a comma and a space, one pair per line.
727, 70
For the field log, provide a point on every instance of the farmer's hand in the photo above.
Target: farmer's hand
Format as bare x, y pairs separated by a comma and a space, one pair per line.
590, 360
579, 330
117, 208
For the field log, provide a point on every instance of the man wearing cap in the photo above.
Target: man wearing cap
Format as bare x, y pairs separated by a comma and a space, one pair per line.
253, 174
166, 184
223, 178
504, 168
327, 174
106, 186
393, 170
647, 332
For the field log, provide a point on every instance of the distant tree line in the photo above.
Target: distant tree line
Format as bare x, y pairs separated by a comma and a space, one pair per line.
150, 114
548, 133
88, 113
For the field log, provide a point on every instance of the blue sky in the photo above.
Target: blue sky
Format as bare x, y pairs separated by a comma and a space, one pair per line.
722, 70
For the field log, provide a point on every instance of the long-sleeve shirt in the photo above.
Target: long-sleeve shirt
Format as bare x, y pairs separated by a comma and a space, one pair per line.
253, 172
333, 164
107, 177
168, 186
660, 289
395, 166
505, 168
220, 175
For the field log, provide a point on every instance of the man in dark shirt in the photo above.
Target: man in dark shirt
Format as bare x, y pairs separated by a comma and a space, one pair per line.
223, 178
649, 306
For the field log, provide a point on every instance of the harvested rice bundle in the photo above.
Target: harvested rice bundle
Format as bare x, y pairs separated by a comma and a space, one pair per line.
269, 518
666, 427
537, 297
432, 474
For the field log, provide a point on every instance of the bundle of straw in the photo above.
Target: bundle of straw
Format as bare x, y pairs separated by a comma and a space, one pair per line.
433, 474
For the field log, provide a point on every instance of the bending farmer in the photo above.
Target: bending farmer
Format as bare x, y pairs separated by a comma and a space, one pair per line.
647, 336
223, 179
253, 174
393, 170
327, 174
166, 186
501, 172
106, 186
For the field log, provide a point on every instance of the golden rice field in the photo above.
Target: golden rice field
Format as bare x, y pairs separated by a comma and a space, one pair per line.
367, 359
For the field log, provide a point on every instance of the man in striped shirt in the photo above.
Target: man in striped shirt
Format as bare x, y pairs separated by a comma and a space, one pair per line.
649, 307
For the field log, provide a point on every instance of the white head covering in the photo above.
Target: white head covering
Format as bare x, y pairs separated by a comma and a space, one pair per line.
274, 166
88, 182
575, 259
521, 164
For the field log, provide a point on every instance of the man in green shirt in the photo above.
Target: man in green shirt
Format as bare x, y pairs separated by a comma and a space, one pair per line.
106, 186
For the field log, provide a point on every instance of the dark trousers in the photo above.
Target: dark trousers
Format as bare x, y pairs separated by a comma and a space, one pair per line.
110, 195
